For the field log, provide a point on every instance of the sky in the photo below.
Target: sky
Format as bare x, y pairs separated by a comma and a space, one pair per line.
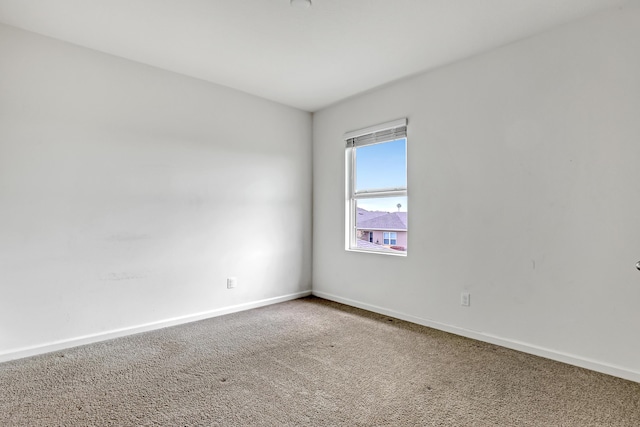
382, 166
387, 204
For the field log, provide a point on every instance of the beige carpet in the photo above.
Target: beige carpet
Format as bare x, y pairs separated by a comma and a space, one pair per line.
308, 362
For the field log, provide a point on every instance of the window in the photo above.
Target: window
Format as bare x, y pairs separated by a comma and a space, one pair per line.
376, 189
390, 238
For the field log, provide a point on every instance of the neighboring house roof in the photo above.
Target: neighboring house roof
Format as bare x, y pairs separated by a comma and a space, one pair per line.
376, 220
365, 244
364, 215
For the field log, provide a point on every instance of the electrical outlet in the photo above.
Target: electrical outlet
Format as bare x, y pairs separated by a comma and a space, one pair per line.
465, 299
232, 282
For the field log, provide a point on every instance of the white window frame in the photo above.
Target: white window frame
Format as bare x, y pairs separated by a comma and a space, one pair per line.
385, 132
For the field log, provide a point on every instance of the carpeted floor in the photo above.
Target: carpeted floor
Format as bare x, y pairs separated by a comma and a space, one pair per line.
307, 362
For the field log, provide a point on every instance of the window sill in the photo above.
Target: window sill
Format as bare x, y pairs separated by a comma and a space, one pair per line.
364, 251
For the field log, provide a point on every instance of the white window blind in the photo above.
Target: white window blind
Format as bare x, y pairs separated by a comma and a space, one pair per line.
376, 134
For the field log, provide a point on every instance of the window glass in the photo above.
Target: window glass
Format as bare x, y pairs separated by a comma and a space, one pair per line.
382, 166
382, 223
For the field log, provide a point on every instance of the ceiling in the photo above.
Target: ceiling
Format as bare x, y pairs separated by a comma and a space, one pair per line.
306, 58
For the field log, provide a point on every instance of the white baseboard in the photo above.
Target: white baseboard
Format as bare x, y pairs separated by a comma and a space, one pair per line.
89, 339
570, 359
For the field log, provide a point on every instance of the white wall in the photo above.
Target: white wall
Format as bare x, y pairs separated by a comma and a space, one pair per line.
524, 189
129, 194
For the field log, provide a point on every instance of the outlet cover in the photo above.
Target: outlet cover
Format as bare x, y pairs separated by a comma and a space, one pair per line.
465, 299
232, 282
